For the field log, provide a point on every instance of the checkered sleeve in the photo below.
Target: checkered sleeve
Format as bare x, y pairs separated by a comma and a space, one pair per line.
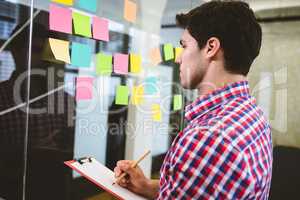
205, 166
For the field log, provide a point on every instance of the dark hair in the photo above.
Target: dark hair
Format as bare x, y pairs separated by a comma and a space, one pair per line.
234, 24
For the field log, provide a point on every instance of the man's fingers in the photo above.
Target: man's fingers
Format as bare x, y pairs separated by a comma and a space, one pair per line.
117, 171
122, 162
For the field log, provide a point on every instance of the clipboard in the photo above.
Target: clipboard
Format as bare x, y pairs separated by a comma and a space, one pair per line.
101, 176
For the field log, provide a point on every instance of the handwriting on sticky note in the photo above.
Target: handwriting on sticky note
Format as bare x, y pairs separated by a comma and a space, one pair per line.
84, 88
82, 24
151, 86
155, 56
178, 51
177, 102
156, 112
65, 2
137, 95
60, 19
121, 63
135, 63
122, 95
88, 5
103, 64
81, 55
168, 52
100, 29
60, 49
130, 9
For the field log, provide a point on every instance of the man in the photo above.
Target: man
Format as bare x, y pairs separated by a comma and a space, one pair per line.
225, 151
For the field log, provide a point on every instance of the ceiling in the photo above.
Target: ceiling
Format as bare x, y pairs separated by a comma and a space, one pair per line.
177, 6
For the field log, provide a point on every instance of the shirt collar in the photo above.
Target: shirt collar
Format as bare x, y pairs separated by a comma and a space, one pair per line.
217, 97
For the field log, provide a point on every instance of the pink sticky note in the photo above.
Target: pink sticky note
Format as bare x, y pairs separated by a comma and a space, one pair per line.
84, 88
60, 19
121, 63
100, 29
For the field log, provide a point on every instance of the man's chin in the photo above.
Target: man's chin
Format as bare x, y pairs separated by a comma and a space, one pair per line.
187, 85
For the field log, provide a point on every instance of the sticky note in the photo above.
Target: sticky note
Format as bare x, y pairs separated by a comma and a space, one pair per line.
84, 88
82, 24
89, 5
103, 64
121, 63
100, 29
122, 95
60, 49
168, 52
130, 11
81, 55
151, 86
178, 51
177, 102
135, 63
156, 112
155, 56
60, 19
65, 2
137, 97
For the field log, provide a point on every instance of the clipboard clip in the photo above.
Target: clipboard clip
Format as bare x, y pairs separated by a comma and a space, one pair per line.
84, 160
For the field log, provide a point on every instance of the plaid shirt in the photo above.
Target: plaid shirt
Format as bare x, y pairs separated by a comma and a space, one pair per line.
225, 152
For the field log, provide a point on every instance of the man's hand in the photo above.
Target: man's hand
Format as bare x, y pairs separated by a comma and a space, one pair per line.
135, 181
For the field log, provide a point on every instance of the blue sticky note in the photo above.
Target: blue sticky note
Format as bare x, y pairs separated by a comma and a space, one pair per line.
89, 5
81, 55
151, 86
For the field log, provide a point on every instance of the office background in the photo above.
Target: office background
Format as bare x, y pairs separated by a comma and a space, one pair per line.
110, 132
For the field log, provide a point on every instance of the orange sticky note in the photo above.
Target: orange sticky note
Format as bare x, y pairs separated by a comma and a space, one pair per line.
155, 56
130, 11
135, 63
137, 95
156, 113
60, 49
65, 2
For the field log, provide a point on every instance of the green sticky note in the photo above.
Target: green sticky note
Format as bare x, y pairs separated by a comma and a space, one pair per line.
122, 95
168, 52
177, 102
81, 55
82, 24
103, 64
89, 5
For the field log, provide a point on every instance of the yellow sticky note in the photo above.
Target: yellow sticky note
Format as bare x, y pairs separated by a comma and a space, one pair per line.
137, 95
60, 49
135, 63
130, 11
155, 56
65, 2
178, 51
156, 112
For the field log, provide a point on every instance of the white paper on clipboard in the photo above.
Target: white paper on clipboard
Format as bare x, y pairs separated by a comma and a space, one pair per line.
103, 177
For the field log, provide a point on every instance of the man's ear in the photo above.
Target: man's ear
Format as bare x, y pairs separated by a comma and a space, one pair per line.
212, 47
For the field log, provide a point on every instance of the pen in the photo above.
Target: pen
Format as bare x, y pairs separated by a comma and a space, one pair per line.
133, 166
